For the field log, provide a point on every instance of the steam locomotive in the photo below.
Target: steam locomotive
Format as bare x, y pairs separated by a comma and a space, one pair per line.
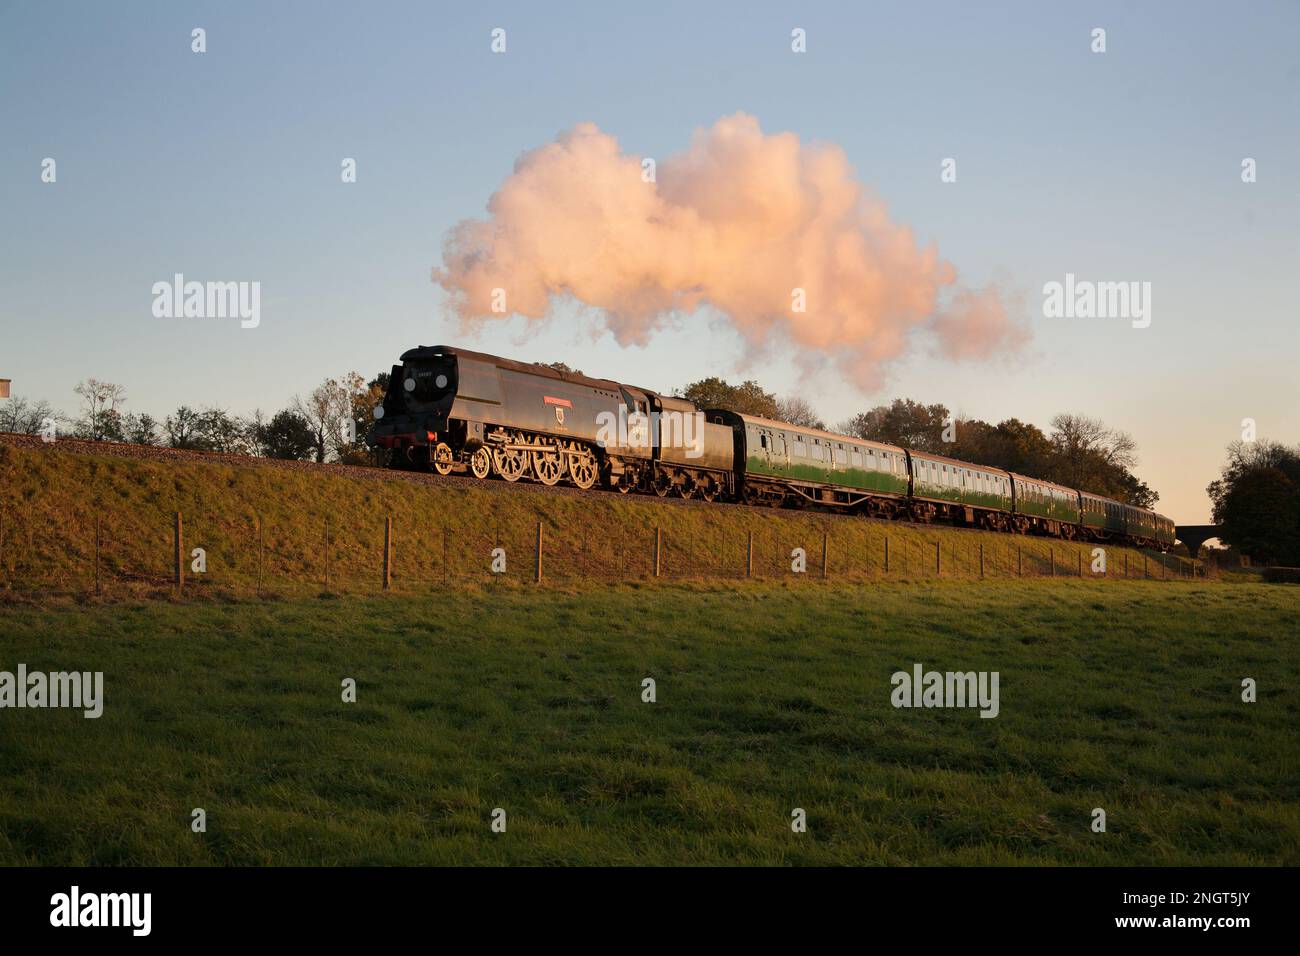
452, 410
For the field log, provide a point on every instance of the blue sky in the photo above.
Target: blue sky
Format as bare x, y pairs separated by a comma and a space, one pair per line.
225, 165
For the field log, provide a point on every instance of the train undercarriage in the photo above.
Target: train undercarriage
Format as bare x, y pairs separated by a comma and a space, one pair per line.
512, 455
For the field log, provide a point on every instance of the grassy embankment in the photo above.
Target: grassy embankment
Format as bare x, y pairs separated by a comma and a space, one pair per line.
287, 531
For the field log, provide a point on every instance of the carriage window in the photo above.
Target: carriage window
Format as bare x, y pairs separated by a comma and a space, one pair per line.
816, 450
800, 449
841, 456
780, 445
762, 440
856, 456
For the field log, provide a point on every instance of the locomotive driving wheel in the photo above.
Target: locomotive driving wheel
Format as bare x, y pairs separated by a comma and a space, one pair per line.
480, 463
441, 458
582, 465
548, 465
510, 463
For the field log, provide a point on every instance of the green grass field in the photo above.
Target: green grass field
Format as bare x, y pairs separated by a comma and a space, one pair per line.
1119, 695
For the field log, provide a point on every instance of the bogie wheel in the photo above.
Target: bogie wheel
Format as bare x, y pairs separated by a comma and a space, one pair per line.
708, 489
509, 463
441, 458
582, 466
480, 463
662, 485
548, 466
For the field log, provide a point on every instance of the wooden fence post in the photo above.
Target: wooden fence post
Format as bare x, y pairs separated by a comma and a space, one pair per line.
1080, 564
938, 566
659, 538
388, 551
1051, 561
1144, 567
177, 536
981, 559
886, 554
261, 554
749, 556
97, 541
538, 579
1020, 568
824, 537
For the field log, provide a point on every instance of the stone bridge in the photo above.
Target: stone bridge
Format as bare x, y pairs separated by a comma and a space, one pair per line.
1193, 536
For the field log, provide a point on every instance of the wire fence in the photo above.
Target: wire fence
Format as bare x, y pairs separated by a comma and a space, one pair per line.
202, 552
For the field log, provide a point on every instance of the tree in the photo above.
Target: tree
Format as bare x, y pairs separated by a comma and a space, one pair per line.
140, 429
184, 429
747, 398
1086, 448
365, 397
219, 431
1257, 501
336, 411
24, 418
798, 411
100, 419
904, 422
286, 436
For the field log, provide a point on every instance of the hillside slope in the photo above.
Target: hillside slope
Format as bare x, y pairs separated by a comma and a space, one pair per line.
283, 527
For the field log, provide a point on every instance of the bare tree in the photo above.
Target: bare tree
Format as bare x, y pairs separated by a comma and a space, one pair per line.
24, 418
100, 417
1082, 441
798, 411
331, 412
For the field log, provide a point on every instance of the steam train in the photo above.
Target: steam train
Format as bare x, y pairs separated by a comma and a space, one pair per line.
452, 410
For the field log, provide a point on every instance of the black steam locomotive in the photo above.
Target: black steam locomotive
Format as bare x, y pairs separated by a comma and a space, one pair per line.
453, 410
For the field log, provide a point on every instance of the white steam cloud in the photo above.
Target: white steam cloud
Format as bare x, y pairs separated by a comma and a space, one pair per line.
734, 224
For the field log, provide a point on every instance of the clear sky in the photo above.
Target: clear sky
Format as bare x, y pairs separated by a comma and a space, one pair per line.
226, 166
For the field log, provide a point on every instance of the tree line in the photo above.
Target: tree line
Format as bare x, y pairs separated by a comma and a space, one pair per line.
327, 424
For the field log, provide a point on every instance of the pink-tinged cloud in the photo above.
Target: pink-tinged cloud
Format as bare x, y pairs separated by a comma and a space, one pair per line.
734, 224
